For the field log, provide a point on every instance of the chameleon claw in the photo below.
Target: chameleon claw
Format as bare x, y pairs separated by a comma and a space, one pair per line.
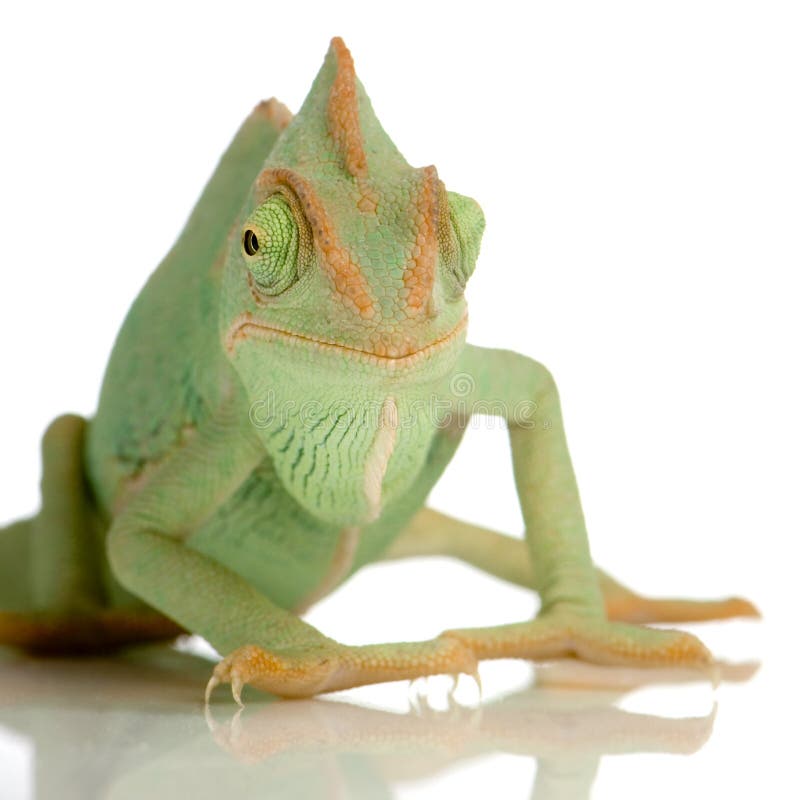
419, 699
714, 672
237, 684
476, 676
414, 696
212, 684
456, 678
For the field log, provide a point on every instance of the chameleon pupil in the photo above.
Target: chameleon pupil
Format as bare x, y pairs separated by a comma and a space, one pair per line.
250, 242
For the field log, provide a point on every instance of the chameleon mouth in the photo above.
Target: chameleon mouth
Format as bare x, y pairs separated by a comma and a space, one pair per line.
245, 327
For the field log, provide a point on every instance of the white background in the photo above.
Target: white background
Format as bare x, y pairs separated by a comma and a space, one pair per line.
639, 168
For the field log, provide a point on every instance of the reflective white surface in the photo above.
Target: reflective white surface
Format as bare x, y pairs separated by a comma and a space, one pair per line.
134, 726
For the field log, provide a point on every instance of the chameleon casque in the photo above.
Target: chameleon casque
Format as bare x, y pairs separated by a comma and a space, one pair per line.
266, 428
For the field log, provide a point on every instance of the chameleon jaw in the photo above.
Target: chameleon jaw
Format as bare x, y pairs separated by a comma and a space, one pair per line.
245, 327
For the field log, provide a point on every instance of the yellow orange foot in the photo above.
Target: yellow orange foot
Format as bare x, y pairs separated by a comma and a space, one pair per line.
624, 605
559, 635
299, 673
328, 666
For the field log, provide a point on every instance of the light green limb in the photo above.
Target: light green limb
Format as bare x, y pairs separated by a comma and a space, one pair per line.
523, 392
50, 563
266, 645
432, 533
65, 546
52, 594
15, 546
572, 620
149, 557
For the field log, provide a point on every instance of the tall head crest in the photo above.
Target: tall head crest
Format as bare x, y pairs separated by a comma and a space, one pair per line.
336, 126
377, 225
347, 252
343, 118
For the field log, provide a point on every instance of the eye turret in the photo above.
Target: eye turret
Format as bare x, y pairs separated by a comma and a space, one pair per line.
467, 223
270, 242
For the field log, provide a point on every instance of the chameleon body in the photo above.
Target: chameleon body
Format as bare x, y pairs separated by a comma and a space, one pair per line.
281, 398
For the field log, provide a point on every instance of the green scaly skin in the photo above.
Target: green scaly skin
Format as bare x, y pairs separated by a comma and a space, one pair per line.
283, 394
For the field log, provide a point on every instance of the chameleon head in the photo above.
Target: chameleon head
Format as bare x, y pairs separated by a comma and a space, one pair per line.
343, 308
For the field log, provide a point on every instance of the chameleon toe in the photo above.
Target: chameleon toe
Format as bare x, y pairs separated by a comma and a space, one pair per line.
630, 607
596, 641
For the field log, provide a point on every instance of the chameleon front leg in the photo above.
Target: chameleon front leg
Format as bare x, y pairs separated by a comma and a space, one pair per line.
572, 621
273, 650
435, 534
264, 645
148, 555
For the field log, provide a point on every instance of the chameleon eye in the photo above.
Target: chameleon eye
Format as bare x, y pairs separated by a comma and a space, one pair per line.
270, 240
468, 223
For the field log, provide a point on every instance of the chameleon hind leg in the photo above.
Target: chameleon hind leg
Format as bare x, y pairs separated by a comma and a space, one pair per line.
433, 533
53, 595
66, 575
15, 585
49, 562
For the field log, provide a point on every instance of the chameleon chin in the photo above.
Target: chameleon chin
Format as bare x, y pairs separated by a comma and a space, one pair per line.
321, 271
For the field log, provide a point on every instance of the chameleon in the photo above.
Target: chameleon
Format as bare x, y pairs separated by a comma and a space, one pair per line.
280, 400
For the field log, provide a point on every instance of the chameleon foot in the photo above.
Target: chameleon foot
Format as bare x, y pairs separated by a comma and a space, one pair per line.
288, 674
333, 667
589, 639
330, 667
